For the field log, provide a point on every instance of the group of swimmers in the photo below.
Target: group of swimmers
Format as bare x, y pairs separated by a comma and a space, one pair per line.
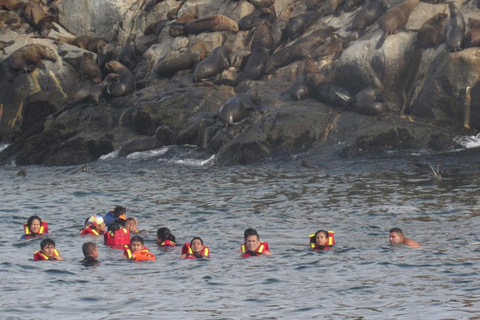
116, 229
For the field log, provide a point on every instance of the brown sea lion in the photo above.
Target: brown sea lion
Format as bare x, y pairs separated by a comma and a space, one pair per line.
89, 69
472, 37
300, 89
280, 25
263, 37
352, 5
254, 18
45, 25
253, 69
86, 92
334, 45
432, 32
370, 12
215, 63
127, 55
33, 12
10, 19
395, 18
173, 13
170, 65
307, 83
10, 5
234, 111
369, 101
177, 28
4, 44
155, 28
455, 29
298, 25
211, 24
157, 141
85, 42
126, 83
27, 57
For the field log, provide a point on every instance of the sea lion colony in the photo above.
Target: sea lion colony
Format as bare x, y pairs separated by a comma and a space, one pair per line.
274, 39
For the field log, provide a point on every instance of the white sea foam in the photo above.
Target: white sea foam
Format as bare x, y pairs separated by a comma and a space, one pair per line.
111, 155
197, 162
469, 142
149, 154
3, 147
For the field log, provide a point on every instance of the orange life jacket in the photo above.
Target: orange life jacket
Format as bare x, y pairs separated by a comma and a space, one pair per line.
260, 250
89, 230
330, 242
39, 255
117, 239
43, 229
191, 255
140, 255
167, 243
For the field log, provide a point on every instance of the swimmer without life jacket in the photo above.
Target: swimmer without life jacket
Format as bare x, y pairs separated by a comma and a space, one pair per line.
117, 239
260, 250
330, 242
141, 255
191, 255
167, 243
28, 234
39, 255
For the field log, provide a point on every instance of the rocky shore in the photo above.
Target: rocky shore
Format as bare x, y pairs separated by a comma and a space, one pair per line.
432, 95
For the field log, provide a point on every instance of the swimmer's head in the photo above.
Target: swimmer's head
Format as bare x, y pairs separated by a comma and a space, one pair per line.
136, 244
164, 234
131, 224
196, 245
34, 223
47, 247
96, 221
321, 238
396, 236
90, 250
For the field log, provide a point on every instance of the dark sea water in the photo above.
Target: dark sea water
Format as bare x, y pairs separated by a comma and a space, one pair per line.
359, 198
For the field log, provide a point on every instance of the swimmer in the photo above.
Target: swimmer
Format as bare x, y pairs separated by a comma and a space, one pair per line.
117, 215
322, 240
136, 250
397, 237
47, 251
35, 228
96, 226
165, 238
195, 250
252, 246
90, 252
132, 225
116, 236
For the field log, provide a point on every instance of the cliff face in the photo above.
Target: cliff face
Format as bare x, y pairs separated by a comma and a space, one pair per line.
436, 88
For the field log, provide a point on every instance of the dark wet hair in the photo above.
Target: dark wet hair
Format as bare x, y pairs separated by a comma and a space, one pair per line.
137, 239
165, 234
397, 230
46, 242
86, 221
119, 210
88, 248
196, 238
113, 227
314, 238
250, 232
30, 221
131, 219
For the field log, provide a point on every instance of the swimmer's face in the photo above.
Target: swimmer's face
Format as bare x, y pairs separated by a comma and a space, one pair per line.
136, 246
196, 246
95, 253
395, 238
101, 227
252, 242
48, 250
35, 226
131, 225
321, 239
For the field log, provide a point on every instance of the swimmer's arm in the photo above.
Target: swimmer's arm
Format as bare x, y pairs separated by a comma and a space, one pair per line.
58, 258
183, 256
412, 243
267, 253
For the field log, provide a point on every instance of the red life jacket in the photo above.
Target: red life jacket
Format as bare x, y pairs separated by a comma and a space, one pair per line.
39, 255
330, 242
191, 255
117, 239
89, 230
260, 250
28, 232
167, 243
141, 255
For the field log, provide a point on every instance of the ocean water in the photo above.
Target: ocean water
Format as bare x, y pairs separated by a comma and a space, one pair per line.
359, 198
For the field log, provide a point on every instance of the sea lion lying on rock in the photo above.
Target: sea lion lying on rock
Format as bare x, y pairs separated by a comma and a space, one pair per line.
126, 82
432, 32
158, 140
234, 111
369, 101
210, 24
171, 64
11, 19
85, 42
215, 63
29, 56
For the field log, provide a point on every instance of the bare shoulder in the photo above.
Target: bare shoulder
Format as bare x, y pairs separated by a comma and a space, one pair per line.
412, 243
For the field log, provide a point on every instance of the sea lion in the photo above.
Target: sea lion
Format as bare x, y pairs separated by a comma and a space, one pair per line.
127, 55
298, 25
211, 24
89, 70
307, 83
215, 63
432, 32
369, 101
334, 45
455, 29
333, 95
45, 25
308, 164
83, 168
253, 69
370, 12
263, 36
33, 12
4, 44
126, 83
157, 141
155, 28
173, 13
85, 42
472, 38
395, 18
170, 65
86, 92
280, 25
300, 89
352, 5
262, 3
252, 19
22, 173
233, 111
26, 58
177, 28
10, 5
10, 19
